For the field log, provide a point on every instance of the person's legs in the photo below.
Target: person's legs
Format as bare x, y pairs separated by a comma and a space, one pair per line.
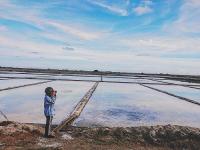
50, 123
47, 126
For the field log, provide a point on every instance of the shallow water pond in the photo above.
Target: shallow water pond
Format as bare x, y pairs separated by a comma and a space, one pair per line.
26, 104
134, 105
186, 92
17, 82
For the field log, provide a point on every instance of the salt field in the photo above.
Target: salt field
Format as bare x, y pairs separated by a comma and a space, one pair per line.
26, 104
129, 80
178, 82
112, 104
17, 82
186, 92
134, 105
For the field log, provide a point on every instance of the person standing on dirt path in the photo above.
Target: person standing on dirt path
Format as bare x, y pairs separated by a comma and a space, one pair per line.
49, 111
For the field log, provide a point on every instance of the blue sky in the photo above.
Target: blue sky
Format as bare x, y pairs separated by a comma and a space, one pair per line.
156, 36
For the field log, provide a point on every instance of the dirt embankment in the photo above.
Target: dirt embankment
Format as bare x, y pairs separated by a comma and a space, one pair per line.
23, 136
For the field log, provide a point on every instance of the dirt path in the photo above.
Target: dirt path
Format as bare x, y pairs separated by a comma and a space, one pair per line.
78, 109
25, 136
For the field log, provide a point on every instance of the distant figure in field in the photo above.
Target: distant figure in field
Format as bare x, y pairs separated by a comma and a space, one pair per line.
49, 111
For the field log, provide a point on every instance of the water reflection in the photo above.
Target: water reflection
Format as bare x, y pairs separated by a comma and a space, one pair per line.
111, 105
133, 114
190, 93
17, 82
134, 105
26, 104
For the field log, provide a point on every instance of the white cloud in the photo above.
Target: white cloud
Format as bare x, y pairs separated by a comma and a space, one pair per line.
156, 46
138, 54
75, 31
110, 60
27, 46
35, 18
5, 3
3, 28
17, 13
121, 9
188, 19
143, 8
111, 8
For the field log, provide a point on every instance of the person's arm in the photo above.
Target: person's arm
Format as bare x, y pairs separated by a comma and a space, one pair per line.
50, 100
54, 98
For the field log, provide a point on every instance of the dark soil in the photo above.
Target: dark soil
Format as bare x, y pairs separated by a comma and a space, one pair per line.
25, 136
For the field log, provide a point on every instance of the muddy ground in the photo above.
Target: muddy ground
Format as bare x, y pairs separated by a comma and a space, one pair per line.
25, 136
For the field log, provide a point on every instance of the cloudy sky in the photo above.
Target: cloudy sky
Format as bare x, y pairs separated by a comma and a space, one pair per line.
156, 36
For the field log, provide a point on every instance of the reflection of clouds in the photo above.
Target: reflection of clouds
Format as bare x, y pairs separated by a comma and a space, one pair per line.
27, 118
2, 107
132, 114
16, 82
66, 91
2, 118
129, 80
111, 105
134, 105
180, 91
118, 117
26, 104
98, 118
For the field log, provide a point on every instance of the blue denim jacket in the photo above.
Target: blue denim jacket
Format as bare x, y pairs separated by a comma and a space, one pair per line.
49, 105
